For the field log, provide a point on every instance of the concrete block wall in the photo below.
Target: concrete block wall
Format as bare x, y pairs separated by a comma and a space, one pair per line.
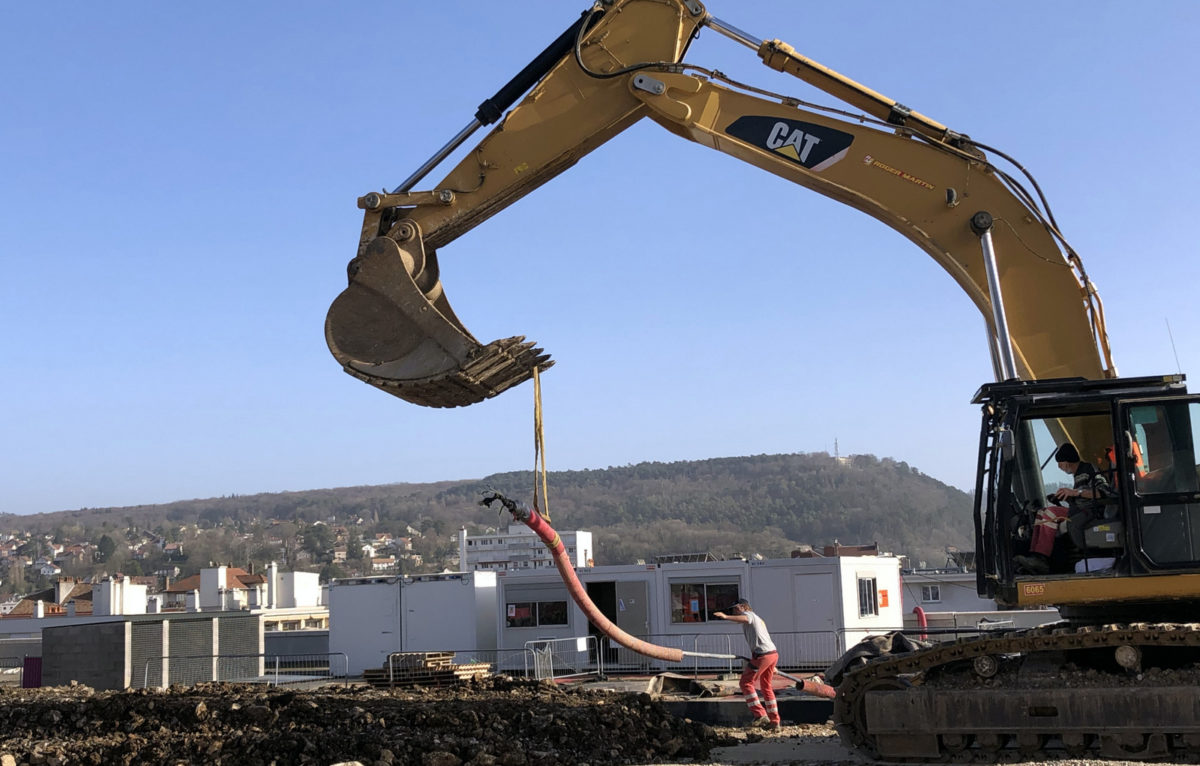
96, 655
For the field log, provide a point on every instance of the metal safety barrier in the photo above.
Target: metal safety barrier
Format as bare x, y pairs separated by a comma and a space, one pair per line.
798, 650
556, 658
11, 671
316, 669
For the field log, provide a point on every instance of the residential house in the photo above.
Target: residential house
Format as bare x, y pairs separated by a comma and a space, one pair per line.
217, 588
75, 554
413, 558
229, 588
67, 597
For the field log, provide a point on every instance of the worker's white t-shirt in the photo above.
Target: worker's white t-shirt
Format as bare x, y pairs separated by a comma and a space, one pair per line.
757, 635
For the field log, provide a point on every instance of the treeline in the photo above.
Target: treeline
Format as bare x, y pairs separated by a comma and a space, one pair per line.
765, 504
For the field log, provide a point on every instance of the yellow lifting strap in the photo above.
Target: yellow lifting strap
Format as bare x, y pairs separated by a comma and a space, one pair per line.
541, 505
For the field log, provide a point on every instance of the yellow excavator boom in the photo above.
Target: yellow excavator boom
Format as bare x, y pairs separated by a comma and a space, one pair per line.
393, 326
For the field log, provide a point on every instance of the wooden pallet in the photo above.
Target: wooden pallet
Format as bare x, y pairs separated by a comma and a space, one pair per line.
424, 669
421, 660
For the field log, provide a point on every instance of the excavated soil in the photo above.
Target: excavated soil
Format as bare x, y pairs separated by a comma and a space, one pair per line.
493, 722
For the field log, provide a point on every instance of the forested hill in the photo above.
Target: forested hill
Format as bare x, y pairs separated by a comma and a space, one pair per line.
766, 504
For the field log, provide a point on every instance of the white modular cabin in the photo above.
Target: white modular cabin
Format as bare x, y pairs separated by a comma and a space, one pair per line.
372, 617
814, 607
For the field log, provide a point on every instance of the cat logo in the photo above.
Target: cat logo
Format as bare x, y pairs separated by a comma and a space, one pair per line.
792, 142
812, 146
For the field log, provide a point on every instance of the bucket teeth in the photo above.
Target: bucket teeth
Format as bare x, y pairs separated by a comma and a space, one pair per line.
489, 370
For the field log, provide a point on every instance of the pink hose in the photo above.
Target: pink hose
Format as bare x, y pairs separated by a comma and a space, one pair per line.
921, 620
559, 551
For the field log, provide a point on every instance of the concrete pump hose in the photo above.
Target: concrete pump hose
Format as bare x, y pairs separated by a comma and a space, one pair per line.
559, 551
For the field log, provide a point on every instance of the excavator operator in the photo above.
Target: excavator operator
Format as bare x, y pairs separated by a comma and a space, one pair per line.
1084, 505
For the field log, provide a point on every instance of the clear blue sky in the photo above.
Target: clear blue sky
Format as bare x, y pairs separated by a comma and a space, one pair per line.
178, 188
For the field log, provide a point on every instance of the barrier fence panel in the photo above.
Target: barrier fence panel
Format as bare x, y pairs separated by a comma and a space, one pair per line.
808, 649
563, 658
10, 671
621, 659
800, 650
307, 669
274, 670
618, 659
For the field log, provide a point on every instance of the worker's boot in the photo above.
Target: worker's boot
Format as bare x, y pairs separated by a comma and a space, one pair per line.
761, 722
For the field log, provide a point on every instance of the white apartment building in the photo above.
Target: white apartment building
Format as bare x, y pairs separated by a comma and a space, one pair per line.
516, 547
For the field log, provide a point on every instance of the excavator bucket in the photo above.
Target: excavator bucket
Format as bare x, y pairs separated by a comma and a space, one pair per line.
386, 330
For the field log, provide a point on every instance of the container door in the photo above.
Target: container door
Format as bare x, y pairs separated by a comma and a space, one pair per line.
816, 607
633, 616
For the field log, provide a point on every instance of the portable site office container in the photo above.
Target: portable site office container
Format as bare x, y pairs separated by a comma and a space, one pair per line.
377, 616
814, 607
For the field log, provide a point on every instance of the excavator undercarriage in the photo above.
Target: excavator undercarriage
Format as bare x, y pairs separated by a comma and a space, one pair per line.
1111, 691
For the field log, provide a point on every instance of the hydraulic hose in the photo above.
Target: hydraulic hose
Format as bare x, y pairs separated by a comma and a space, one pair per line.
815, 685
578, 593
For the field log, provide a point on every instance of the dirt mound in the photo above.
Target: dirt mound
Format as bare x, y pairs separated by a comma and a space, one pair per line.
493, 722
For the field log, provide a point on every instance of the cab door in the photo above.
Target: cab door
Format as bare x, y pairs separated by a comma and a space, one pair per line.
1163, 493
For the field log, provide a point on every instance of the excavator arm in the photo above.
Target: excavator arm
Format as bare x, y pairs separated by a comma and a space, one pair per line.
393, 326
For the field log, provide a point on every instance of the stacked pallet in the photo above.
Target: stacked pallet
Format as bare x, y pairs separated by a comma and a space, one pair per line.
424, 669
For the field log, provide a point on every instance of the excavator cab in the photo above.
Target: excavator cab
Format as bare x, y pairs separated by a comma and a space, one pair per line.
1142, 523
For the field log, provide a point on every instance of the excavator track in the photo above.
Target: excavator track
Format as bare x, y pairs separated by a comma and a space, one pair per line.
1128, 692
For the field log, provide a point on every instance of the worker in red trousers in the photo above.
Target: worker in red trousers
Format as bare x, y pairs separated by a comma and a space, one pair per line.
759, 671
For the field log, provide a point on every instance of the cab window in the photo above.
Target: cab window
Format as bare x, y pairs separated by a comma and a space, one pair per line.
1166, 488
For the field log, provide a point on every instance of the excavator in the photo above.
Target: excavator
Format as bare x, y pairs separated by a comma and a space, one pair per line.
1117, 677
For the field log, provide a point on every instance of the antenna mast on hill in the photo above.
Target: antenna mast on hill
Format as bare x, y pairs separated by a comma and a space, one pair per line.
835, 449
